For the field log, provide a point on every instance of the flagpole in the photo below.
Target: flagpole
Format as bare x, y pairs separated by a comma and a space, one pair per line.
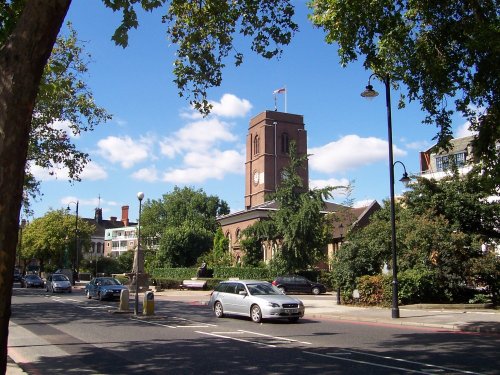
286, 93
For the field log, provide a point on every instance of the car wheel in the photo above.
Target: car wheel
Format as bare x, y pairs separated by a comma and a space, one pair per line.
315, 291
218, 310
99, 295
256, 314
282, 289
88, 294
295, 319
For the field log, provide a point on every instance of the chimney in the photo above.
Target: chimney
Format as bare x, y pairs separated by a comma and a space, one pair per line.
98, 215
125, 215
113, 219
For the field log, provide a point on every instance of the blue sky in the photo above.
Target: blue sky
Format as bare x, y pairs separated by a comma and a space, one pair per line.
155, 141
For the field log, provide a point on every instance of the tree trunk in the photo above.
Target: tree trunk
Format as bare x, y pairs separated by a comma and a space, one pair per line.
22, 59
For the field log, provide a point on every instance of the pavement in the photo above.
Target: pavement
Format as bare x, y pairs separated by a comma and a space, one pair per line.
456, 317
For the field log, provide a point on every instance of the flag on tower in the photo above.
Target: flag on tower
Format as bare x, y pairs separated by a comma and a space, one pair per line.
279, 91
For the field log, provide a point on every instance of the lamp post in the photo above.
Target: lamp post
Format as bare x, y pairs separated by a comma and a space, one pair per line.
21, 227
341, 229
138, 255
77, 265
371, 93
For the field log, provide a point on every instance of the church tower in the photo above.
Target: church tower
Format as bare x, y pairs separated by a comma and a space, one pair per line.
267, 148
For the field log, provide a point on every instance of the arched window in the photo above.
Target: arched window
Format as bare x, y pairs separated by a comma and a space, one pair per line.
238, 235
228, 236
285, 143
256, 145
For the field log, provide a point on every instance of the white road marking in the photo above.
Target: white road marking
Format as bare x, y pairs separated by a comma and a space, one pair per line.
235, 339
407, 370
431, 367
276, 337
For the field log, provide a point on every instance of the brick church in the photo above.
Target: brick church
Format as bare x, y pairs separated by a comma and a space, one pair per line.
267, 153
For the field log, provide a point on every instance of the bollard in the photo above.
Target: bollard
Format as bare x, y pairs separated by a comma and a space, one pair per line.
124, 296
148, 306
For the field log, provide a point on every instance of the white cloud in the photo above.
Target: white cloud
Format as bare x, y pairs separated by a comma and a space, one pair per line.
336, 193
146, 174
93, 172
65, 126
43, 174
418, 145
199, 135
204, 166
350, 152
363, 203
318, 184
464, 131
231, 106
125, 150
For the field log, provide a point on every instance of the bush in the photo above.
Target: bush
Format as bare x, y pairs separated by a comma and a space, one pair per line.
246, 273
373, 290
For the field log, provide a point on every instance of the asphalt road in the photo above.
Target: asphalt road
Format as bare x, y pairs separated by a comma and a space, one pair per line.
66, 334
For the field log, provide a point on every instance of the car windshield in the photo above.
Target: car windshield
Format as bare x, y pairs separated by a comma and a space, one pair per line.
110, 282
32, 277
59, 278
262, 289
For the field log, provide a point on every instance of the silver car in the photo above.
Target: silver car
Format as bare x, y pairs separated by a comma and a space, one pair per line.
58, 282
256, 299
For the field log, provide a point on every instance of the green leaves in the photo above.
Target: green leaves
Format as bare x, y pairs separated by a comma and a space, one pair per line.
444, 53
183, 223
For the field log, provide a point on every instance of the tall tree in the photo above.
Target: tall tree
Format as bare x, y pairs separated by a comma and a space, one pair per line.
441, 51
51, 238
298, 228
64, 104
183, 223
203, 32
462, 200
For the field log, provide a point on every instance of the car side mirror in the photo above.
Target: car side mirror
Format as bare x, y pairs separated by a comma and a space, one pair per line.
242, 293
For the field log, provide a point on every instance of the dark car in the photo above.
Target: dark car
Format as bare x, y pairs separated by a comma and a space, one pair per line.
58, 282
32, 281
104, 288
17, 275
298, 284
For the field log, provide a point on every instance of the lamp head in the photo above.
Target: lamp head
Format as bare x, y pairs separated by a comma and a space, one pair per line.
140, 196
405, 179
369, 92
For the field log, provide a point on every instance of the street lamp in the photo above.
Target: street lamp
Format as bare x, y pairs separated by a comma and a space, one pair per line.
371, 93
77, 266
405, 179
138, 255
21, 227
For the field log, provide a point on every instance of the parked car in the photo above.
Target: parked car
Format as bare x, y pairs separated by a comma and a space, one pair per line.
57, 282
17, 275
298, 284
104, 288
32, 281
255, 299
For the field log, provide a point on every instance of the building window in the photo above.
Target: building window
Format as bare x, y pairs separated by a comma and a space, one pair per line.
443, 163
460, 159
285, 143
256, 145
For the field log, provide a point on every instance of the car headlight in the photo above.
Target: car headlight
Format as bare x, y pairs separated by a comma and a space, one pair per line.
272, 304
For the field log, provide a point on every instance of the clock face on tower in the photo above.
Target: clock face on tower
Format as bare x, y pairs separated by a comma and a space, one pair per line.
256, 177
